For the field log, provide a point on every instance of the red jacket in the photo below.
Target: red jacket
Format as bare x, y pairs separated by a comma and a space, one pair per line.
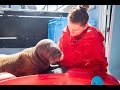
84, 51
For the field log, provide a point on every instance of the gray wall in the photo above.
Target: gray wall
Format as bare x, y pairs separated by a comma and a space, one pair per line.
114, 56
94, 13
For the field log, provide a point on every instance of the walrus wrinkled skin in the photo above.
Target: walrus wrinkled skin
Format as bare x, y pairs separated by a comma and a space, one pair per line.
33, 60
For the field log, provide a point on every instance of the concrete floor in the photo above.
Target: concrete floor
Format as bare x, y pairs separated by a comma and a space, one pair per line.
8, 51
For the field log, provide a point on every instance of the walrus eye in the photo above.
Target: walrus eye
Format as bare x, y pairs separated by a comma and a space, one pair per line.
58, 51
59, 55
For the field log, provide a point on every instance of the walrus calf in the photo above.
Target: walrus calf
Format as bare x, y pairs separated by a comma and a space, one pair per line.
32, 60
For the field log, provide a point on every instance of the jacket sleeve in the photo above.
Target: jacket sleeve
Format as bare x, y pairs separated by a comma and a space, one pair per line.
95, 60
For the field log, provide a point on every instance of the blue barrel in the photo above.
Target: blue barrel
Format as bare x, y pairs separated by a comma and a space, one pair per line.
51, 27
92, 21
55, 28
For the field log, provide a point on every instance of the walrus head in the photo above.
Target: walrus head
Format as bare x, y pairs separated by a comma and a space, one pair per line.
48, 51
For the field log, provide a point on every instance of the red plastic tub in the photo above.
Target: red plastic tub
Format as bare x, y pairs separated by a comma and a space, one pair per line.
71, 77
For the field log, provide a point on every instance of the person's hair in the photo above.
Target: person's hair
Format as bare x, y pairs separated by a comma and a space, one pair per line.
78, 15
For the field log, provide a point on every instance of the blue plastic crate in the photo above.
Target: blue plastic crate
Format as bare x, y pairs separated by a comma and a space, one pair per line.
55, 28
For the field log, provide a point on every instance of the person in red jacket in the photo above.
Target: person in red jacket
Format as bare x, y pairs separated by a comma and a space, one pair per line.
82, 44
